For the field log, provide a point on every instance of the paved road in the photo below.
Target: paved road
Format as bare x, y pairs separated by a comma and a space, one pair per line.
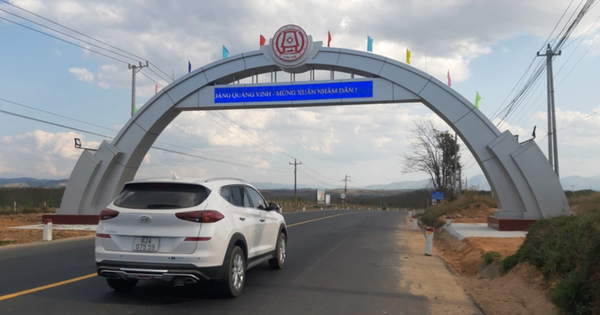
347, 264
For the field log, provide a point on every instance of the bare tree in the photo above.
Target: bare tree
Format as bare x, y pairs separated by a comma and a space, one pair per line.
435, 153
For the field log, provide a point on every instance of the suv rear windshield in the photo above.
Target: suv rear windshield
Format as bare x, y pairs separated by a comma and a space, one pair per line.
161, 196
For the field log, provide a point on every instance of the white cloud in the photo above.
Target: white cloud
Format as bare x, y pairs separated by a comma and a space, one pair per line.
40, 154
57, 53
82, 74
103, 85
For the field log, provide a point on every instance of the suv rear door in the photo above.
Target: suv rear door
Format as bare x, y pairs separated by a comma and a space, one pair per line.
147, 220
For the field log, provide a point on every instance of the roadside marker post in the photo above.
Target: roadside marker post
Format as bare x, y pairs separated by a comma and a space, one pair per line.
429, 242
303, 208
448, 220
47, 234
280, 210
415, 223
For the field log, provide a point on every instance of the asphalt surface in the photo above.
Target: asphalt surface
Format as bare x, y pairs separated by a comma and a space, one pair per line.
347, 264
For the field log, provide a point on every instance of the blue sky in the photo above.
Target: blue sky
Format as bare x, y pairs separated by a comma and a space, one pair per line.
484, 53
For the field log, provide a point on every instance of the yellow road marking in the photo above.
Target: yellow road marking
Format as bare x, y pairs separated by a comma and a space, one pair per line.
53, 285
10, 296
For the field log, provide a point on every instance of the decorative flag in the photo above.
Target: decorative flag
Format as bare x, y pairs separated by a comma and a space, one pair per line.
135, 110
328, 38
407, 56
369, 44
449, 80
225, 52
263, 40
156, 89
477, 98
189, 66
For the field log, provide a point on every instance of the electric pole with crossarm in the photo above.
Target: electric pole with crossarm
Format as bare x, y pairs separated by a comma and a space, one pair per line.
296, 163
346, 180
135, 69
552, 141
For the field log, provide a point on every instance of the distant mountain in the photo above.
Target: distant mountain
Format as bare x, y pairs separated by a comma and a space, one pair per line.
477, 181
410, 184
580, 183
32, 182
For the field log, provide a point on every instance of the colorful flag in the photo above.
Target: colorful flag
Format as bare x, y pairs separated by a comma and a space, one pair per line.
328, 38
263, 40
189, 66
135, 110
477, 98
369, 44
407, 56
449, 80
156, 89
225, 52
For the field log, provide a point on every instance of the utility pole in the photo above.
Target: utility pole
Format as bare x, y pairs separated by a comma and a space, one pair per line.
296, 163
134, 69
552, 142
455, 165
346, 180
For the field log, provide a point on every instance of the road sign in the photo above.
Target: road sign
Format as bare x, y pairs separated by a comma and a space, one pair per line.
437, 195
343, 196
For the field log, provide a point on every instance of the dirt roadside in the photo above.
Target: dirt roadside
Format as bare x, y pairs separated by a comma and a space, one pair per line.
10, 236
521, 291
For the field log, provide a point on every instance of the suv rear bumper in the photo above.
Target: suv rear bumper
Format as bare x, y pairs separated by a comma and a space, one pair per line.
178, 273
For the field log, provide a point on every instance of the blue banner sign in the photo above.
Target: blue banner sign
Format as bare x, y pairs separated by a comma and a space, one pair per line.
437, 195
293, 92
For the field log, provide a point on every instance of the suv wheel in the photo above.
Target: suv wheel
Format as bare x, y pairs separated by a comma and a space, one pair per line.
280, 251
235, 276
122, 285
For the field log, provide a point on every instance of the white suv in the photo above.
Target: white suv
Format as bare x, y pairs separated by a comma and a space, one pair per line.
185, 231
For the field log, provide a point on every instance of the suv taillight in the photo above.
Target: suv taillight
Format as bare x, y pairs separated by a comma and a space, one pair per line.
108, 214
206, 216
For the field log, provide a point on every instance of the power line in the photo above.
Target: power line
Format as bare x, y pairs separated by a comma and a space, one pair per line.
58, 115
561, 68
110, 137
64, 40
70, 36
82, 34
565, 33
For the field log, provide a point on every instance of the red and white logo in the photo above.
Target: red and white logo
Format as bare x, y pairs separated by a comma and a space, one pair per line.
290, 43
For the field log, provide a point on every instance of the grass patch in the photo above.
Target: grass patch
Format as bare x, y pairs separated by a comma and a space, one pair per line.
463, 204
7, 242
583, 202
490, 257
567, 247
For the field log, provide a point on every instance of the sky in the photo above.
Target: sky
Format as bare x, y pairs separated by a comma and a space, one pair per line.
486, 46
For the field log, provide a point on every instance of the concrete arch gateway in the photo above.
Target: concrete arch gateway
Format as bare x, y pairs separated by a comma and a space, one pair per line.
523, 183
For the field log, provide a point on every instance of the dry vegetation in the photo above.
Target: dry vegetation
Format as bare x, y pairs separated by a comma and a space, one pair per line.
10, 236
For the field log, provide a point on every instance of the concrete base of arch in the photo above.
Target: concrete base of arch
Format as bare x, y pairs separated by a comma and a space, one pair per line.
520, 177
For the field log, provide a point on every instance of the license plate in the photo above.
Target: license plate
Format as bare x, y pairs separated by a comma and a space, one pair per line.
146, 244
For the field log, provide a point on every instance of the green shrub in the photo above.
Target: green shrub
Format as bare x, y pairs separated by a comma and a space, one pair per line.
573, 294
567, 247
490, 257
509, 262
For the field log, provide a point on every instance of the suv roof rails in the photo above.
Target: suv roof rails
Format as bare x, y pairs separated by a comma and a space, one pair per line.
223, 178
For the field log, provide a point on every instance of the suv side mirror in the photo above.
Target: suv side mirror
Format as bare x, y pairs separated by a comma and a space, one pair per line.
273, 206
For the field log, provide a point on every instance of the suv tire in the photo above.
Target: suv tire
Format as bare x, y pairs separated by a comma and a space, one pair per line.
120, 285
280, 251
235, 275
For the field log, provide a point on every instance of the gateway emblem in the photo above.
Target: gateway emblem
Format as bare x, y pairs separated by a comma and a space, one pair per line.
290, 43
